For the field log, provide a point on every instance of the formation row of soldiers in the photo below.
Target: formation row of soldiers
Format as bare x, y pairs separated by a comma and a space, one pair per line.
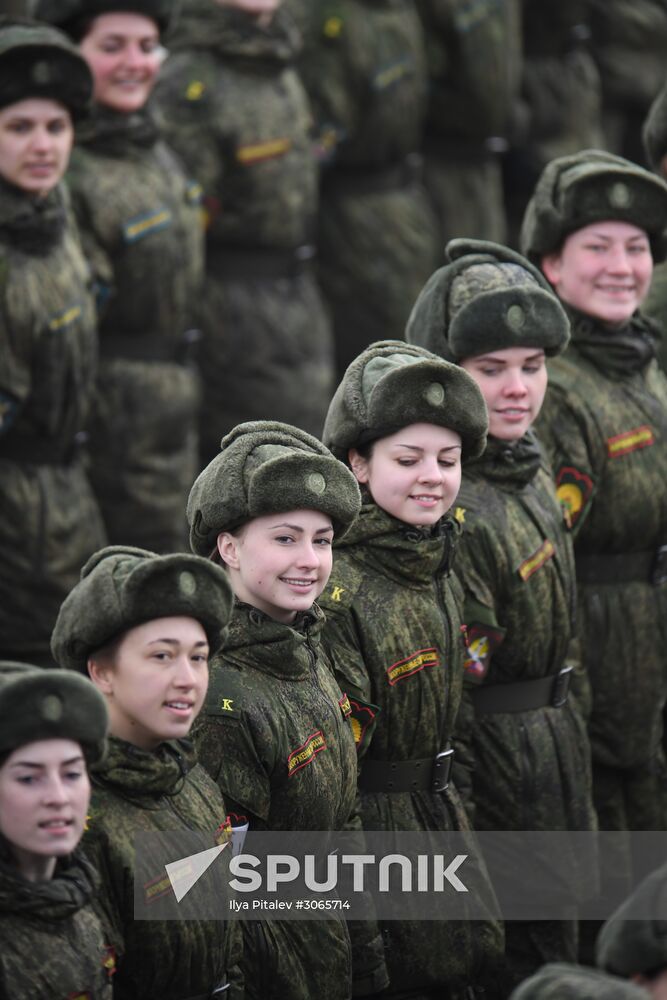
552, 705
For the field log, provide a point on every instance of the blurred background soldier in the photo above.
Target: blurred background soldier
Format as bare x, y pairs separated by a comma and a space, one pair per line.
49, 522
140, 224
232, 105
364, 67
654, 135
474, 57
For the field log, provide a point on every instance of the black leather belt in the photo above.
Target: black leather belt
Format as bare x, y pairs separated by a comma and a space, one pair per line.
150, 348
371, 178
32, 449
430, 774
624, 567
258, 262
551, 691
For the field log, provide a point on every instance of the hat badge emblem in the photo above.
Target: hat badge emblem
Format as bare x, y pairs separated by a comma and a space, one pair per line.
434, 394
619, 195
187, 583
51, 708
316, 483
41, 72
516, 317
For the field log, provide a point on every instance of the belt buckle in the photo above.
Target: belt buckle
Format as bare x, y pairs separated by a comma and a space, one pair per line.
561, 687
659, 568
442, 768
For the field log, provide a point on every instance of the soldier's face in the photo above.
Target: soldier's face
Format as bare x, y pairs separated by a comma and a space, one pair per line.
44, 797
603, 270
123, 53
415, 474
155, 681
35, 143
280, 563
513, 382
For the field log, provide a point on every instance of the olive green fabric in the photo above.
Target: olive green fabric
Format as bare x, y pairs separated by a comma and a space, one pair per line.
231, 104
654, 131
474, 61
121, 587
634, 939
391, 385
364, 67
267, 468
54, 945
272, 690
573, 982
592, 186
67, 14
654, 307
140, 792
531, 769
40, 704
628, 43
393, 632
38, 61
486, 297
50, 522
140, 224
604, 424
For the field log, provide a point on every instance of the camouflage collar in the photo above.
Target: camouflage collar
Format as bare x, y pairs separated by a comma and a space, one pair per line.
71, 888
116, 134
235, 34
507, 463
33, 226
285, 651
616, 352
141, 775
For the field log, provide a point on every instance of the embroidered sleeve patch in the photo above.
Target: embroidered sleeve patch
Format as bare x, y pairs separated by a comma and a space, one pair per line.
143, 225
574, 490
109, 960
537, 560
362, 722
259, 151
481, 642
390, 75
64, 319
623, 444
194, 193
305, 754
411, 665
345, 706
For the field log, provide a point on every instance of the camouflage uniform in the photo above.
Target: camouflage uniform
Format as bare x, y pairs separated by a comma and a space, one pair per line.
654, 135
393, 632
532, 768
134, 792
604, 422
233, 107
49, 520
364, 67
559, 111
474, 54
53, 947
141, 228
271, 690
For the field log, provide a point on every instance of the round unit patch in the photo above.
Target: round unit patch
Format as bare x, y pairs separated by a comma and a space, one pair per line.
187, 583
51, 708
434, 394
516, 317
316, 483
619, 195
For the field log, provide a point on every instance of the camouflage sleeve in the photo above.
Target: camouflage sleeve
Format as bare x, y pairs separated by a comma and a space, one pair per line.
114, 903
16, 348
96, 254
572, 446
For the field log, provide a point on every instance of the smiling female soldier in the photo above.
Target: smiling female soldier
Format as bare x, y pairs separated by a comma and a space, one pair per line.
143, 626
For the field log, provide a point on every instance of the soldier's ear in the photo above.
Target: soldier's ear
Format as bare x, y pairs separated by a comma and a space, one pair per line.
358, 464
228, 547
100, 672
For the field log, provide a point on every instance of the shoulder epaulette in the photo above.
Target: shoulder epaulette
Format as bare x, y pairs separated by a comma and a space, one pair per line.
343, 585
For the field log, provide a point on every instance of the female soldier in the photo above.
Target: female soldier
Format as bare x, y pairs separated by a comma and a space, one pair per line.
142, 626
493, 313
141, 227
275, 734
49, 521
594, 226
52, 726
404, 418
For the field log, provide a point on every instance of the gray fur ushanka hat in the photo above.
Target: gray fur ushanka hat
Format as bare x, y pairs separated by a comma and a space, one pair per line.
634, 938
592, 186
37, 704
39, 61
558, 981
121, 587
69, 14
487, 297
266, 467
393, 384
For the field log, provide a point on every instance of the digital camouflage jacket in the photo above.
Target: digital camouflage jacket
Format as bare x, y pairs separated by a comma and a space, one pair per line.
604, 423
54, 946
393, 632
516, 565
140, 223
49, 521
134, 792
230, 102
364, 68
275, 736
